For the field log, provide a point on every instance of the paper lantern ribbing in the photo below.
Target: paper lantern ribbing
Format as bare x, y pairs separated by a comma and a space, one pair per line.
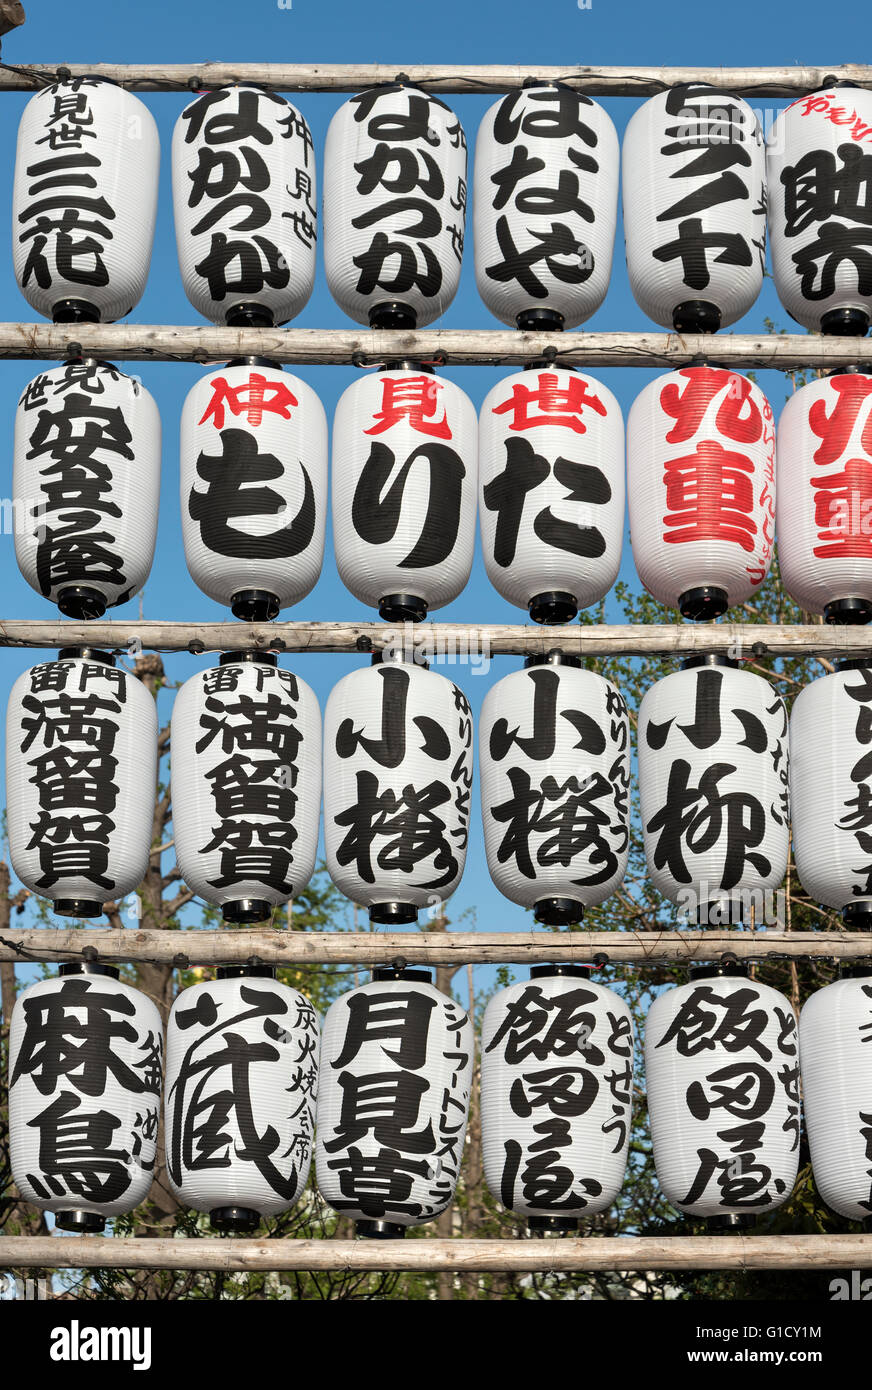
246, 784
241, 1085
830, 786
397, 778
557, 437
701, 489
86, 481
404, 491
245, 206
253, 485
393, 1101
554, 756
394, 207
545, 207
817, 173
722, 1071
556, 1096
85, 1054
81, 768
713, 789
824, 475
834, 1031
694, 185
84, 200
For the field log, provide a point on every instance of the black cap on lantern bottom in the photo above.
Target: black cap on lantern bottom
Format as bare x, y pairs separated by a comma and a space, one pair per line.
77, 907
78, 601
539, 320
558, 912
850, 611
402, 608
247, 910
847, 323
392, 315
74, 311
249, 316
379, 1230
552, 1225
867, 1224
858, 916
696, 316
553, 607
234, 1219
254, 606
83, 1222
393, 913
704, 603
730, 1221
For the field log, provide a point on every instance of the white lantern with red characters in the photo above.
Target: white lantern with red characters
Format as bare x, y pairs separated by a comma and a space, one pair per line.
551, 489
545, 206
824, 511
701, 489
404, 491
253, 479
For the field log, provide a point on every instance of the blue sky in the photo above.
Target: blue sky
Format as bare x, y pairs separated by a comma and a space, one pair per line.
610, 32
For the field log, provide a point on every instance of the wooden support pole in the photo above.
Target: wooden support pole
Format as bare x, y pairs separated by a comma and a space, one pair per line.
480, 1256
278, 947
141, 342
446, 77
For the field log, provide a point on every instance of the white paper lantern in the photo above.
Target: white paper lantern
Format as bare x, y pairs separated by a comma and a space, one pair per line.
85, 1058
819, 209
397, 779
86, 486
246, 784
551, 481
241, 1085
556, 1096
722, 1071
554, 756
81, 769
545, 206
701, 489
394, 206
834, 1031
253, 484
824, 512
84, 200
245, 206
695, 208
404, 491
713, 789
831, 790
393, 1101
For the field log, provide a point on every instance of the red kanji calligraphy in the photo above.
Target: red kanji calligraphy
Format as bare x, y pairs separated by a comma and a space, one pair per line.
411, 398
738, 414
835, 430
557, 404
250, 398
843, 512
710, 497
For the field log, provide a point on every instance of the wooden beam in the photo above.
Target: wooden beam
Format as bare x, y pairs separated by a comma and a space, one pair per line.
742, 641
279, 947
141, 342
447, 77
477, 1256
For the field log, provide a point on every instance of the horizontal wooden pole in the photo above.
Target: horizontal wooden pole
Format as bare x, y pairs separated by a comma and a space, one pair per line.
445, 77
476, 1256
141, 342
279, 947
466, 642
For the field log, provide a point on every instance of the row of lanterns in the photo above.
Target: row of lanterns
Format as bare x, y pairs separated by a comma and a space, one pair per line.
554, 753
695, 175
411, 465
253, 1087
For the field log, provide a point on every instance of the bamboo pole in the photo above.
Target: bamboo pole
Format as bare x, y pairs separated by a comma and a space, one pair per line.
482, 1256
143, 342
456, 643
448, 77
277, 947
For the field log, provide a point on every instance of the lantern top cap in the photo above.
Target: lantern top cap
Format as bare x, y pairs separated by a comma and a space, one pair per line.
734, 969
559, 967
88, 967
247, 972
401, 972
86, 654
242, 658
555, 657
708, 659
